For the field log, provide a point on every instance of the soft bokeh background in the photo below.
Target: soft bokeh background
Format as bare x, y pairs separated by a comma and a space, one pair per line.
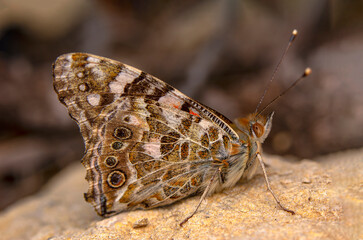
220, 52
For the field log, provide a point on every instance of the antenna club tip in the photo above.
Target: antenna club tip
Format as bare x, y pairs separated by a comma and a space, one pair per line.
307, 72
293, 35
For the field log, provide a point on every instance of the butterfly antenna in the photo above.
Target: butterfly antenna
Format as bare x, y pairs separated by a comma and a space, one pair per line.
292, 38
306, 73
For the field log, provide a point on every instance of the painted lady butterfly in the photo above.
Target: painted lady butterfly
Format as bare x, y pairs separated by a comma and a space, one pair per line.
147, 144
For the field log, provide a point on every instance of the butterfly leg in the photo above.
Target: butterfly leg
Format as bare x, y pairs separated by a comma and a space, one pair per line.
258, 155
201, 199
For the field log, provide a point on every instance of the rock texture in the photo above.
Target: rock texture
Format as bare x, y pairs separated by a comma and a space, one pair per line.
326, 194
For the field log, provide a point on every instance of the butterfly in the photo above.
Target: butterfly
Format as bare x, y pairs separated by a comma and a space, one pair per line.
147, 144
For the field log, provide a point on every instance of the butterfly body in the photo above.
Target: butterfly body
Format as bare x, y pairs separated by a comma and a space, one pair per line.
147, 144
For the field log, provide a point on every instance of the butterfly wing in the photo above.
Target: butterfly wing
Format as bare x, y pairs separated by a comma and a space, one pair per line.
147, 144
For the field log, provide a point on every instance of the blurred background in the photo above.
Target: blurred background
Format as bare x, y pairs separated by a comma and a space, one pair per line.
220, 52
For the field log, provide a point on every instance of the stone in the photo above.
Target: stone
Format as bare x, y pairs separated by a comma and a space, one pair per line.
326, 194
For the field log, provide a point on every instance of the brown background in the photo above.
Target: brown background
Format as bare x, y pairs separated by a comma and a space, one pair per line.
221, 53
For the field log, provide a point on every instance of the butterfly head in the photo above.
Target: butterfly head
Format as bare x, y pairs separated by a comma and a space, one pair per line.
256, 126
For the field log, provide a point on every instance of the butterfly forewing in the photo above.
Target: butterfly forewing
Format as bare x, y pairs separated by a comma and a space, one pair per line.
147, 144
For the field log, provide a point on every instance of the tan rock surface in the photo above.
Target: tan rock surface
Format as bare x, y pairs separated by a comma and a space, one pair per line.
327, 196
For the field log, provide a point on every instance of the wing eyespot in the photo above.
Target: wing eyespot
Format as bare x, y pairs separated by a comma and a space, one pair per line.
116, 179
117, 145
122, 133
111, 162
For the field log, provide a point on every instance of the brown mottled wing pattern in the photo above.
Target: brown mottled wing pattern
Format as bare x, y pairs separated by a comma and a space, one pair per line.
147, 144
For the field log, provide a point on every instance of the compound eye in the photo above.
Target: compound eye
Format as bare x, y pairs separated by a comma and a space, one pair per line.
258, 129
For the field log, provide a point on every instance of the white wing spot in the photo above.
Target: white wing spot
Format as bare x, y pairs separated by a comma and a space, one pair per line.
82, 87
132, 120
91, 65
94, 99
80, 75
93, 60
95, 70
116, 87
69, 57
152, 150
170, 100
124, 77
